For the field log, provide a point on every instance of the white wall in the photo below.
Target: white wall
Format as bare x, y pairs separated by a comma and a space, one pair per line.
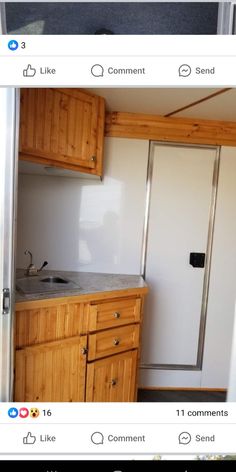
92, 226
78, 224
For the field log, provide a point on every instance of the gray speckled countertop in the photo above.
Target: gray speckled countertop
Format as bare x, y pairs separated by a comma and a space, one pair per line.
86, 283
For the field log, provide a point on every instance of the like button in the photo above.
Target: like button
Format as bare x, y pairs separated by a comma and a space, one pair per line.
29, 71
29, 439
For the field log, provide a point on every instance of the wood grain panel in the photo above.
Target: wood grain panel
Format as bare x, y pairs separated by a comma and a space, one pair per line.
112, 341
49, 323
92, 298
112, 379
114, 313
62, 128
186, 130
100, 135
52, 372
49, 364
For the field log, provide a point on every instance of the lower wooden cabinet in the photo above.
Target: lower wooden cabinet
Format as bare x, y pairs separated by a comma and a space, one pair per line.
53, 371
112, 379
74, 350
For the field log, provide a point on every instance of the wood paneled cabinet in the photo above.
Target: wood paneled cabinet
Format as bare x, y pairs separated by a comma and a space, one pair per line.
112, 379
62, 128
67, 350
54, 370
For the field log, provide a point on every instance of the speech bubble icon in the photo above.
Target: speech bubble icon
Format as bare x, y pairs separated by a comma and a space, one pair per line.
184, 70
97, 438
97, 70
184, 438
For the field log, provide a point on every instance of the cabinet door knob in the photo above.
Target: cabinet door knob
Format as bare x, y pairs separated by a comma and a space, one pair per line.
93, 158
116, 314
84, 350
113, 382
116, 342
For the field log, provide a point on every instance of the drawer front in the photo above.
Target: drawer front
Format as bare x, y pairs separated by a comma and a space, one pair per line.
112, 341
48, 322
115, 313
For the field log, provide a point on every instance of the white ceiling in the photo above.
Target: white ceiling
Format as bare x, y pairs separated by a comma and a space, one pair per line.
161, 101
222, 107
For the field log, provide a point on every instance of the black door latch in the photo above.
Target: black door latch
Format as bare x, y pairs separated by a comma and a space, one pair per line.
6, 301
197, 259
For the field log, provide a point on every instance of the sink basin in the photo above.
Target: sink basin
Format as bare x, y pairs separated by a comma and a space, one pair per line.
48, 283
54, 280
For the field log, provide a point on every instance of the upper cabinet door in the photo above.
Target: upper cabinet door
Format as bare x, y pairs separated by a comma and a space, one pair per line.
62, 128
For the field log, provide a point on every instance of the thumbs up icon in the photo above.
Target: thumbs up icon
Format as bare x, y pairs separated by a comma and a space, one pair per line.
29, 439
29, 71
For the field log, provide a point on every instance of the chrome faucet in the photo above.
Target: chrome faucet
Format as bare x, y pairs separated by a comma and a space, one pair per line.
31, 269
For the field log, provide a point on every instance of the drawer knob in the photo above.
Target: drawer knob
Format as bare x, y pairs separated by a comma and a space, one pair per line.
113, 382
84, 350
116, 342
117, 315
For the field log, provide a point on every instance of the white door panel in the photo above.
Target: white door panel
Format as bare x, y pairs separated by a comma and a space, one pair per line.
222, 289
179, 219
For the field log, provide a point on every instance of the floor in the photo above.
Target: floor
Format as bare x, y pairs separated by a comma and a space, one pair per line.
119, 18
180, 396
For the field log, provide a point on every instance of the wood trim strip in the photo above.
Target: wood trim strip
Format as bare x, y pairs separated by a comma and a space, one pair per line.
26, 304
184, 389
204, 99
100, 136
179, 130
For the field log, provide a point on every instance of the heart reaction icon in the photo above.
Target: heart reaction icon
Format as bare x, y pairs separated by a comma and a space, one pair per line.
24, 412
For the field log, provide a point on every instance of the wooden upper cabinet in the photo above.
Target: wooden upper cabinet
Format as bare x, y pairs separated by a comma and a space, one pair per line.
62, 128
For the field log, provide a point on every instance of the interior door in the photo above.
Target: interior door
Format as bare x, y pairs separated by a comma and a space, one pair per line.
8, 159
178, 237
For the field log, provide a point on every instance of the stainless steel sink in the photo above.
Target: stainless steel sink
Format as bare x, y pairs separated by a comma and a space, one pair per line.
48, 283
54, 280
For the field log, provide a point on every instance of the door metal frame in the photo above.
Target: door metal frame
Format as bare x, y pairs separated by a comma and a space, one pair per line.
203, 315
226, 18
3, 22
8, 197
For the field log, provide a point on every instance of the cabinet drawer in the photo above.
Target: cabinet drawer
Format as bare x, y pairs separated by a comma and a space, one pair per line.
115, 313
113, 341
